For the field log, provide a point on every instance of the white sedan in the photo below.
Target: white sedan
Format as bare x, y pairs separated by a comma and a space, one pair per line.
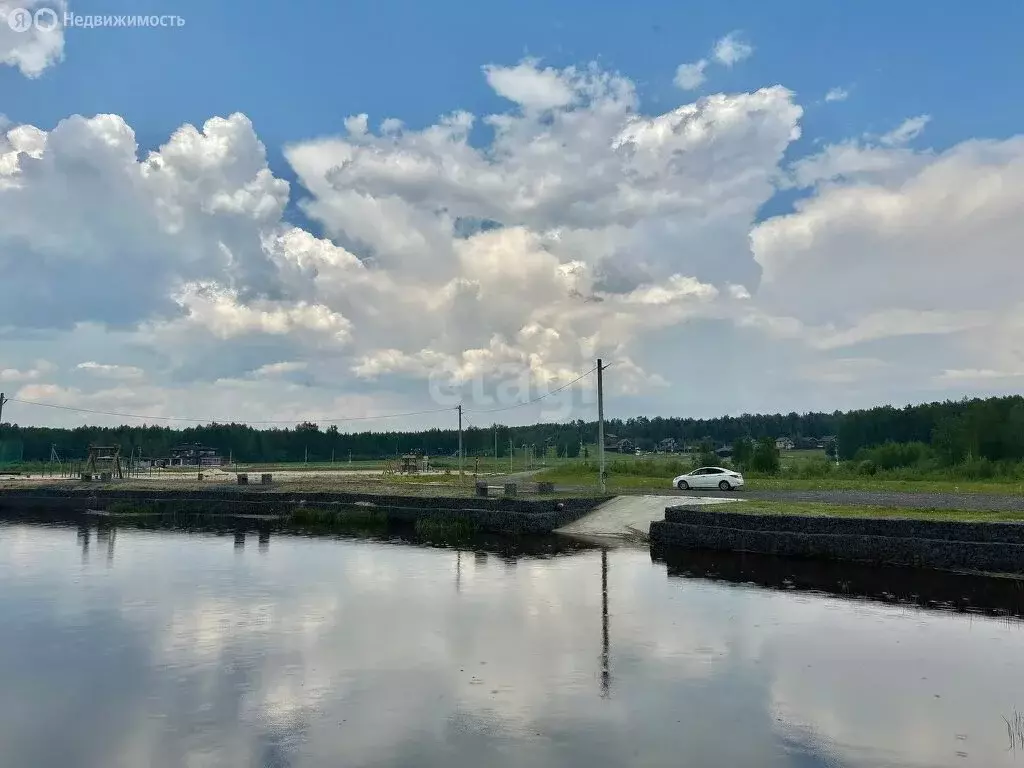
709, 477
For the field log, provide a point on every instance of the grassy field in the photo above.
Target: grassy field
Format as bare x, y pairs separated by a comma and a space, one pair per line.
814, 509
800, 471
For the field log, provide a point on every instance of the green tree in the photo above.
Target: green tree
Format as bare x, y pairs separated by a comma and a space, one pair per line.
706, 456
742, 452
766, 457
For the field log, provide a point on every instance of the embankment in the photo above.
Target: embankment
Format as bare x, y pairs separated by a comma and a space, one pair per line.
988, 547
488, 515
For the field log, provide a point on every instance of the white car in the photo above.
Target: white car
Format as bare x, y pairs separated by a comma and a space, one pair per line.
709, 477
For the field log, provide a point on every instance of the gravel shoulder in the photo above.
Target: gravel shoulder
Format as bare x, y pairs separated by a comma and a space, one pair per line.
897, 499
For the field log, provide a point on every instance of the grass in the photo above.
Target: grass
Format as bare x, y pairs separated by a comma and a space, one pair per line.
349, 518
447, 529
783, 483
817, 509
801, 471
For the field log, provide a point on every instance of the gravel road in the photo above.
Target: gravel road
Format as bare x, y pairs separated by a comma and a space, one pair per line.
914, 500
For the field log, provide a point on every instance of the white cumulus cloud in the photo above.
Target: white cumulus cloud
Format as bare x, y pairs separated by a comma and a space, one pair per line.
26, 46
691, 76
731, 50
586, 227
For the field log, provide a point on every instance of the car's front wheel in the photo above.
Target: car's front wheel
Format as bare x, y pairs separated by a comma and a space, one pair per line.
724, 486
682, 485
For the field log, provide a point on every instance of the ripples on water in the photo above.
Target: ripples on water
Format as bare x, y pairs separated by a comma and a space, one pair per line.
136, 648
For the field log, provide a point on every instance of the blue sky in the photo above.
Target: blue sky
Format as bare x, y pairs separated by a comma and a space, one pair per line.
653, 236
300, 71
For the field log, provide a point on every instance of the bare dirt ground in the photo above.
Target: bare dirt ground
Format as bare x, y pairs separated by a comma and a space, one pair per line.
979, 502
436, 483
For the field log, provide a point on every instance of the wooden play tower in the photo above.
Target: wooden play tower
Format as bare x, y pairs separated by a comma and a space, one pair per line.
105, 460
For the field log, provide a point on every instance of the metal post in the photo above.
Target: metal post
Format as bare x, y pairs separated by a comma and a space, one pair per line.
511, 454
460, 442
600, 421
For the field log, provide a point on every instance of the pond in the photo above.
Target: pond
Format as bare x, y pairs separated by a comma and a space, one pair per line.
159, 648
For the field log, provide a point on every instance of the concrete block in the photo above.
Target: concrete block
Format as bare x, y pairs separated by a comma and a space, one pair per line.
243, 479
481, 489
545, 487
266, 479
511, 489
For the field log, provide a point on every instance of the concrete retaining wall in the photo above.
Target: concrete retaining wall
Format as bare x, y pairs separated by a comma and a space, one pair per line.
490, 515
490, 520
967, 546
1007, 533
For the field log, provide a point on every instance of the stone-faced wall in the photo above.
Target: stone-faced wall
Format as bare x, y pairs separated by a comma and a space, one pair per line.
968, 546
498, 515
856, 526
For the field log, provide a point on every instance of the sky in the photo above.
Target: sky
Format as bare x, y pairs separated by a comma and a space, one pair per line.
368, 213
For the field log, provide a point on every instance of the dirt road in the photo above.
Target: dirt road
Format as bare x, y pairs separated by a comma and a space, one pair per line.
896, 499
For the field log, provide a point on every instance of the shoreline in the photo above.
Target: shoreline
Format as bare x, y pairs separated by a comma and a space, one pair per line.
982, 547
504, 515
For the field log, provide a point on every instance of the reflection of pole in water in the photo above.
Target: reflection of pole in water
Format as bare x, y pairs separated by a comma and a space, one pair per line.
264, 542
458, 570
107, 536
83, 541
606, 677
239, 541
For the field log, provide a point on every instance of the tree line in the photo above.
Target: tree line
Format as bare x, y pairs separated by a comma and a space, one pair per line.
953, 431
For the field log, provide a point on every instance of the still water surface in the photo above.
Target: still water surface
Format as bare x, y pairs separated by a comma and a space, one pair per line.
165, 648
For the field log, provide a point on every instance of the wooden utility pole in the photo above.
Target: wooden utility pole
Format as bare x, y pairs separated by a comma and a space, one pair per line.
460, 442
2, 401
600, 421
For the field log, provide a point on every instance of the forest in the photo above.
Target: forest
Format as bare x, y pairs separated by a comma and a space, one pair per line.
948, 432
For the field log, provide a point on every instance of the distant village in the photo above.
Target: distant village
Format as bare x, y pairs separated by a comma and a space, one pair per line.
187, 455
198, 455
671, 445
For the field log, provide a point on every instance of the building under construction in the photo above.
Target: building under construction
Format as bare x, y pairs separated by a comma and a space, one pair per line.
195, 455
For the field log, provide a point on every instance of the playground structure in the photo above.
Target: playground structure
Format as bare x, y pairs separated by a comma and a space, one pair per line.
104, 461
409, 464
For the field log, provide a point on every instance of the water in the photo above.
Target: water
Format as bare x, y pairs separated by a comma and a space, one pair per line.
164, 648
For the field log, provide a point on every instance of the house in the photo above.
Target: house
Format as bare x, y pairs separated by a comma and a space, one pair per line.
724, 452
668, 445
625, 445
195, 455
784, 444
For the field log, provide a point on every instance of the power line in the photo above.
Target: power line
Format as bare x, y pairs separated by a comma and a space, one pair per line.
538, 399
334, 420
220, 421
